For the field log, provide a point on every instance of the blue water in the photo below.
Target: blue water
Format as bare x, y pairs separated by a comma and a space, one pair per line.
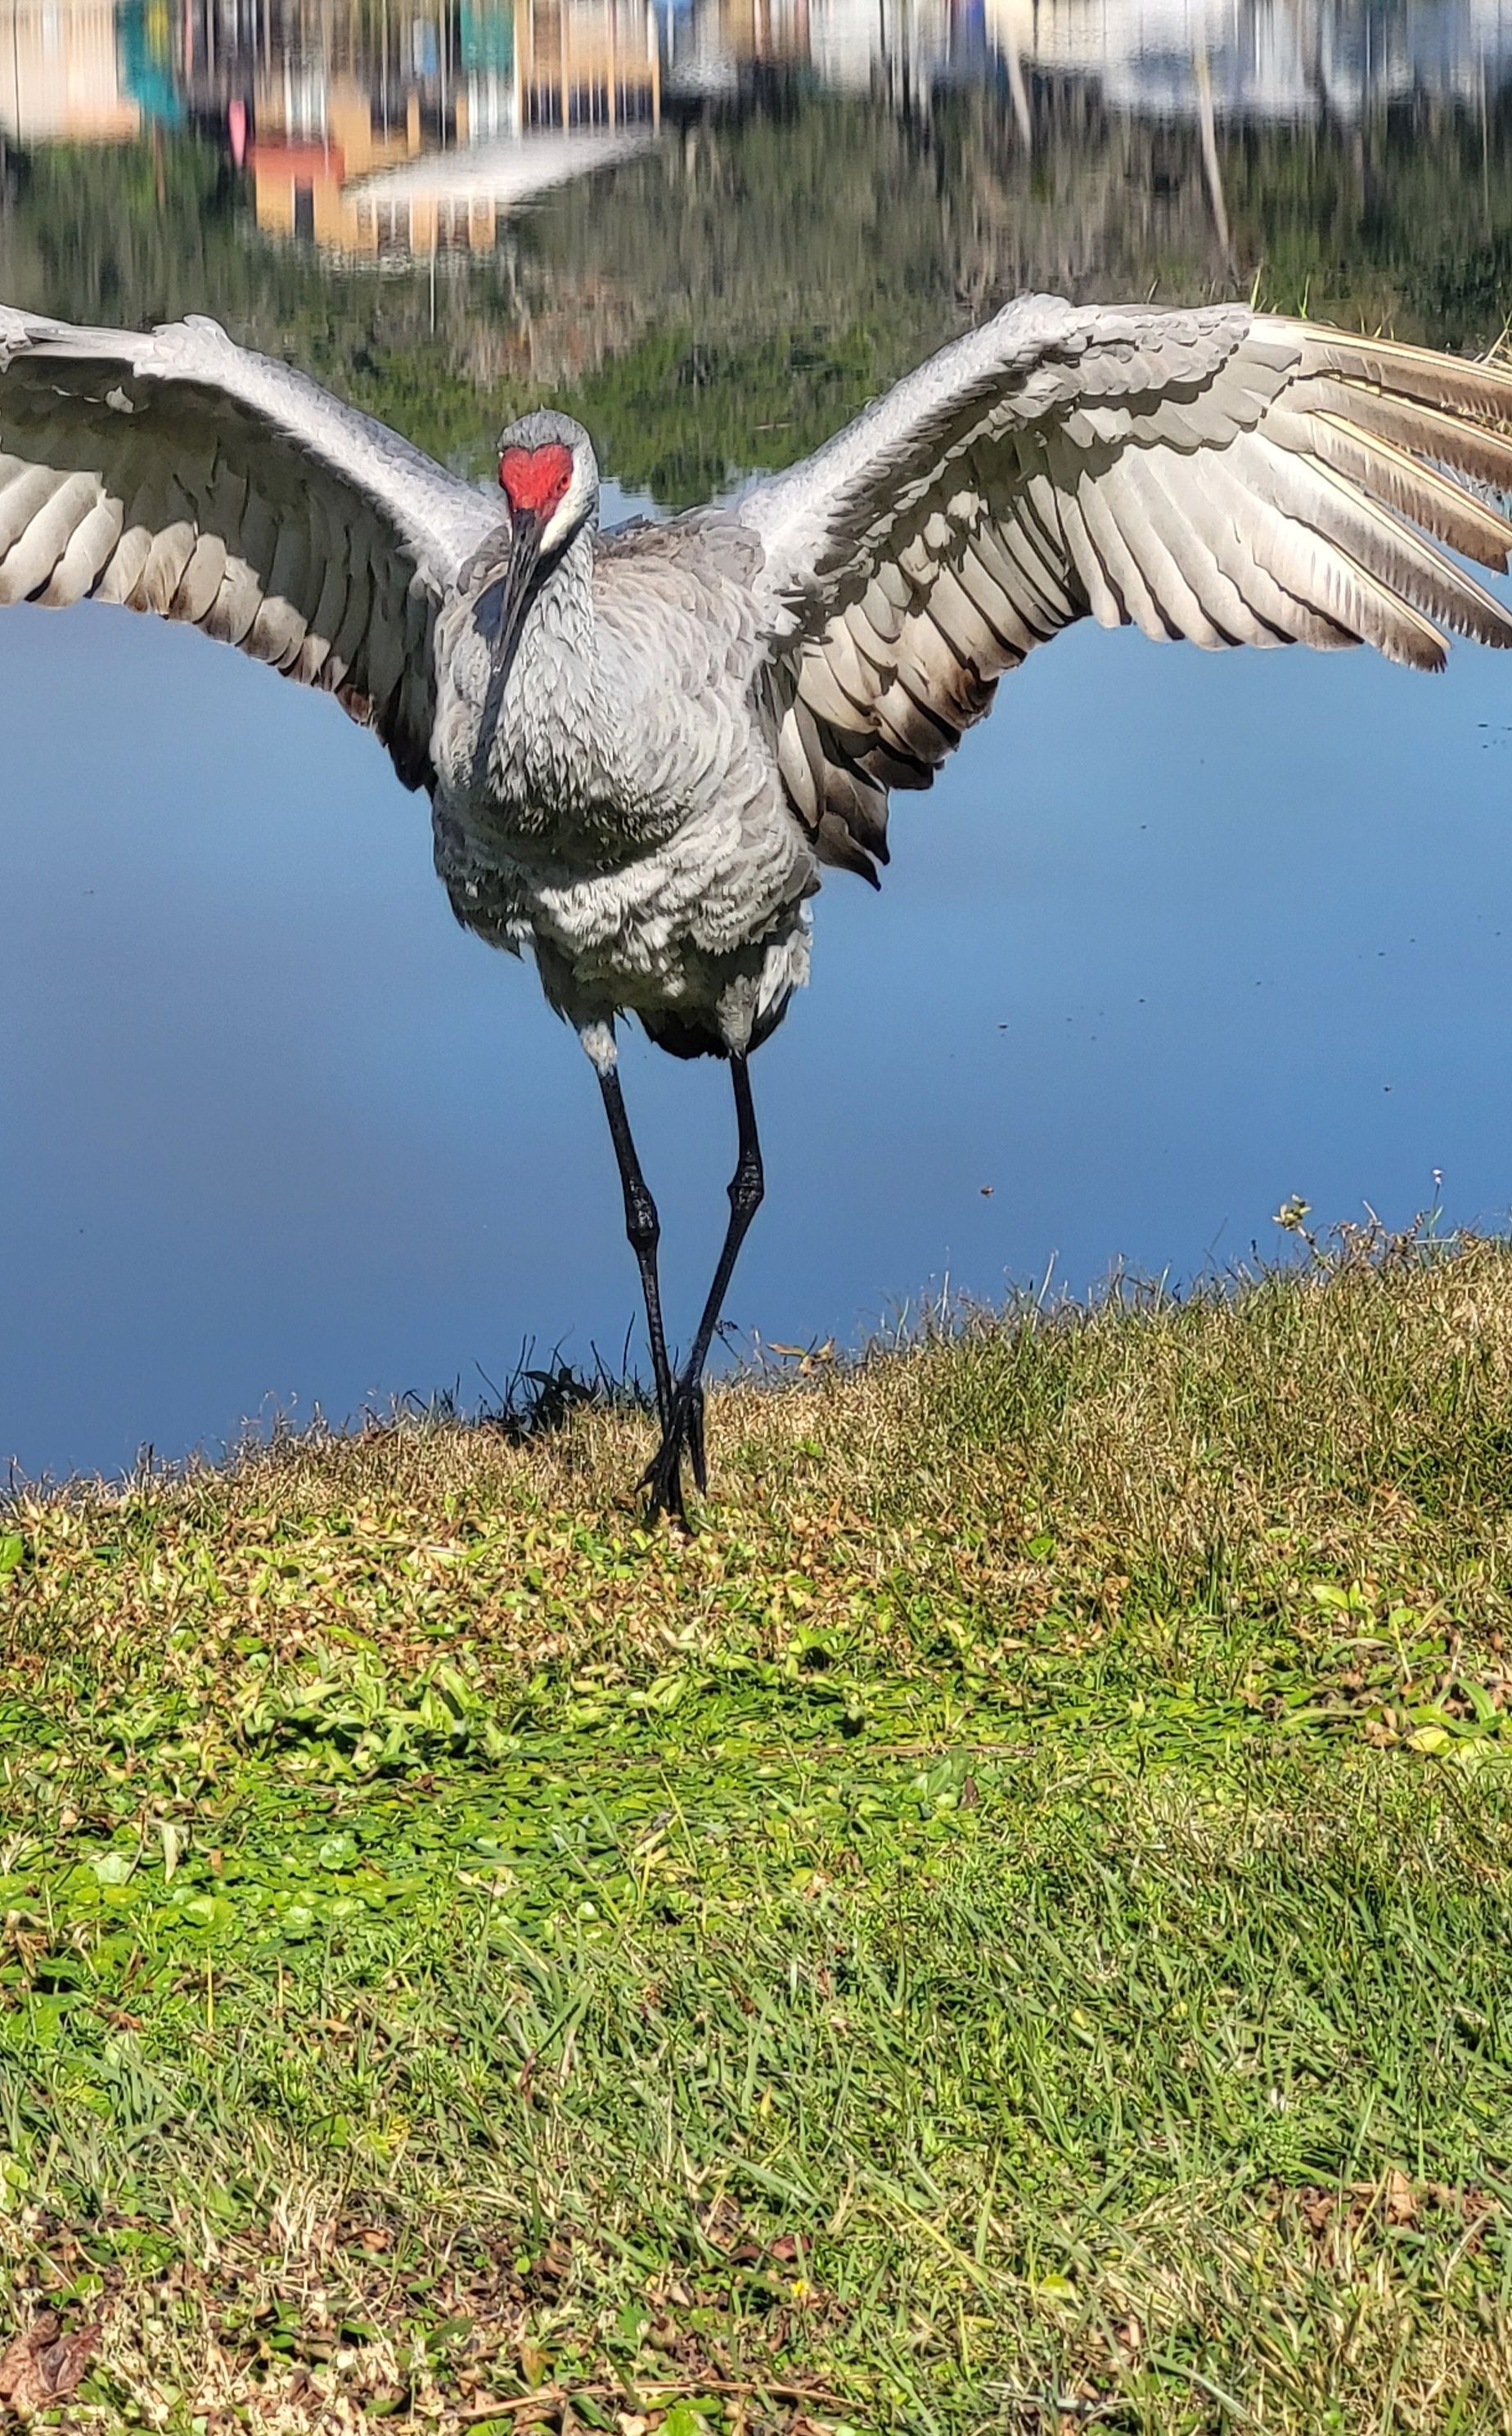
1177, 936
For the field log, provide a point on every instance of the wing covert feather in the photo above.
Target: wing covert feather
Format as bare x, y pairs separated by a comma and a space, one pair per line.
179, 473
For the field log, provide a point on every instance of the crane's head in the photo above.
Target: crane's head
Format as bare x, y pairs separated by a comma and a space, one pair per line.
550, 478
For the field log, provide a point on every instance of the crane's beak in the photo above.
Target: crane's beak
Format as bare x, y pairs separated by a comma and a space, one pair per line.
500, 617
500, 611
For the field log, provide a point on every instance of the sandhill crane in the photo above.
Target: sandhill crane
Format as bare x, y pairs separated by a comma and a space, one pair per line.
641, 746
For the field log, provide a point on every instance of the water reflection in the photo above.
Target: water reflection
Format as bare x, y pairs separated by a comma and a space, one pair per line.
1260, 59
287, 1134
412, 132
720, 226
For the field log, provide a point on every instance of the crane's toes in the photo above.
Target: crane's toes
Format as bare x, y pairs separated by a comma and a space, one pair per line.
662, 1476
683, 1436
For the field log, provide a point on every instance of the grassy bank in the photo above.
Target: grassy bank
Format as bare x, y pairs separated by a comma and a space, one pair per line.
1009, 1927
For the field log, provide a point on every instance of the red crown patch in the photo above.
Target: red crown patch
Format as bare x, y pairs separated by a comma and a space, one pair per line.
533, 479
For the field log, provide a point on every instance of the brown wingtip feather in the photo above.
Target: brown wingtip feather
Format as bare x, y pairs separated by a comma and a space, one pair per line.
1481, 450
1480, 385
1398, 479
1381, 423
1398, 631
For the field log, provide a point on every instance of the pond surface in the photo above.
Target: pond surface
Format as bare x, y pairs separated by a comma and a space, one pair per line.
1176, 936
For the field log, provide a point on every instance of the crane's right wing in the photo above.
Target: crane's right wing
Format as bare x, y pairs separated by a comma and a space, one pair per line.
1219, 475
181, 474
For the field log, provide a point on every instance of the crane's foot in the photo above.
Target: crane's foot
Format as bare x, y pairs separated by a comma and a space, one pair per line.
682, 1436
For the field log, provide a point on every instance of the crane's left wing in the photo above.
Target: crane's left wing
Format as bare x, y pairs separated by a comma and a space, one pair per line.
178, 472
1219, 475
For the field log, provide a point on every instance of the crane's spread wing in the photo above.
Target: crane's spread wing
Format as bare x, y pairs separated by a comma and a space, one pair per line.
1221, 475
178, 472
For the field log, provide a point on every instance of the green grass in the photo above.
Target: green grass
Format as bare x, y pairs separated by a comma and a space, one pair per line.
1006, 1929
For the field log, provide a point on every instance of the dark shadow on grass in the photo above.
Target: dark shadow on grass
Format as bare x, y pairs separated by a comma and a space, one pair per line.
535, 1399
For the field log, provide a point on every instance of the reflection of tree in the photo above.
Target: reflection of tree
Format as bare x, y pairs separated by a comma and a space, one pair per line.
99, 232
146, 232
726, 301
1410, 224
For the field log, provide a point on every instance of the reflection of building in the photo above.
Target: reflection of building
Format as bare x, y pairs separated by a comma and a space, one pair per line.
452, 202
848, 46
60, 74
396, 129
419, 151
856, 44
1259, 58
716, 44
586, 64
1292, 58
316, 138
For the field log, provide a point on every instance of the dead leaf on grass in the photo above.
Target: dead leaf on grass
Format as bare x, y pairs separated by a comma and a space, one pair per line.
721, 2223
1393, 2201
1474, 2207
41, 2365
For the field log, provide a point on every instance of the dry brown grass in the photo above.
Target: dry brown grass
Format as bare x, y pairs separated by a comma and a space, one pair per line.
1355, 1420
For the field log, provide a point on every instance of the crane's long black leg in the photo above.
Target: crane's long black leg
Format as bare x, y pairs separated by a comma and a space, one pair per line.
644, 1229
683, 1430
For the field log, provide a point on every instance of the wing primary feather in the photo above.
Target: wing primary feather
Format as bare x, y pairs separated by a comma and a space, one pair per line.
1480, 388
1379, 541
1400, 481
1426, 431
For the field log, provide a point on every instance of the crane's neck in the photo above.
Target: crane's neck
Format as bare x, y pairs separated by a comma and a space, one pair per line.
556, 656
542, 704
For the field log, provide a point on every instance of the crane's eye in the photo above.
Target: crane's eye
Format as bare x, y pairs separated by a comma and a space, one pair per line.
536, 479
